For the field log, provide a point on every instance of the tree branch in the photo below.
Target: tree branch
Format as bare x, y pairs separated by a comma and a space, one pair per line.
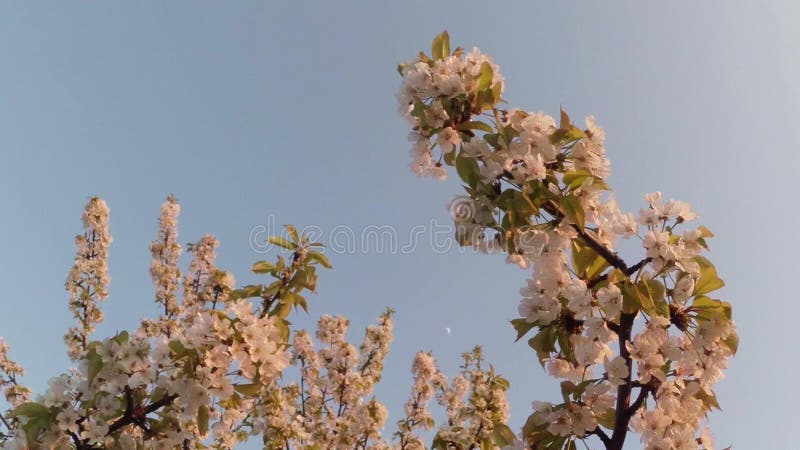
601, 434
601, 249
623, 415
78, 444
644, 390
130, 417
610, 256
631, 270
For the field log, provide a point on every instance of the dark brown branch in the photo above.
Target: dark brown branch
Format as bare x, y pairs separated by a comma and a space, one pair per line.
613, 327
3, 419
644, 390
132, 416
612, 258
78, 444
601, 434
631, 270
601, 249
623, 415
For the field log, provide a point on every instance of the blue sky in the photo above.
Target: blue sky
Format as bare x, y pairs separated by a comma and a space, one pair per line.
252, 110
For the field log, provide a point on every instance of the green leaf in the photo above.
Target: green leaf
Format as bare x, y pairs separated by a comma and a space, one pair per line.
449, 158
503, 435
281, 242
438, 443
202, 419
248, 291
705, 232
485, 76
157, 394
467, 169
575, 178
35, 426
565, 135
419, 109
121, 337
544, 343
30, 409
283, 329
708, 281
524, 208
522, 326
295, 299
496, 88
271, 290
249, 389
564, 121
321, 259
615, 276
281, 310
709, 308
572, 209
531, 426
306, 278
586, 262
177, 347
492, 139
440, 47
608, 418
95, 364
262, 267
476, 125
732, 342
646, 295
709, 399
292, 233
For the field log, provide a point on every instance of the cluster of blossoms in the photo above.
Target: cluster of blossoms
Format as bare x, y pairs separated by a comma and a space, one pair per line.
331, 405
164, 267
536, 190
208, 372
474, 402
438, 94
88, 278
194, 374
14, 393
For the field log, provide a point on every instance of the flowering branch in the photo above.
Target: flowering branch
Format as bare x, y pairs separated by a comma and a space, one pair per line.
536, 190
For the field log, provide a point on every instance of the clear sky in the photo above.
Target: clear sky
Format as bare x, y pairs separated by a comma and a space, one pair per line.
249, 111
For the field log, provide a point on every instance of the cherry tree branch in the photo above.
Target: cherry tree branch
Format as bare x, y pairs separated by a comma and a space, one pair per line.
623, 416
601, 249
631, 270
601, 434
639, 399
131, 416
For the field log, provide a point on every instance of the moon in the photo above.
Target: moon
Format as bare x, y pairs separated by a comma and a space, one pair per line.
447, 329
